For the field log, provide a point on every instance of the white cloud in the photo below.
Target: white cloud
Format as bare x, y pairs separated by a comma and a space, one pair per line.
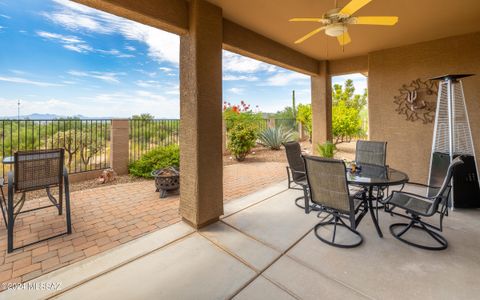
76, 44
149, 74
173, 90
78, 48
5, 16
72, 43
63, 38
18, 72
230, 77
162, 46
69, 82
110, 77
236, 90
147, 83
285, 78
27, 81
130, 48
236, 63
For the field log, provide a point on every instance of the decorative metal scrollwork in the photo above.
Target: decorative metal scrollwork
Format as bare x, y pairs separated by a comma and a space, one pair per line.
417, 101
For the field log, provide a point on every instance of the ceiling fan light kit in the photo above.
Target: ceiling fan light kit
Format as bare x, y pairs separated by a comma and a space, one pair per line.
335, 22
336, 30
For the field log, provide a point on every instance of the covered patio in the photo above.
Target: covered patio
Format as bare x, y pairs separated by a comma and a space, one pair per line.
420, 46
264, 248
261, 245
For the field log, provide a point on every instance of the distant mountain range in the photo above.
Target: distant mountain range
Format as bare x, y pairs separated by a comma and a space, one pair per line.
48, 117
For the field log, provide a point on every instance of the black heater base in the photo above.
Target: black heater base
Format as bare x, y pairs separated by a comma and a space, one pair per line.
466, 190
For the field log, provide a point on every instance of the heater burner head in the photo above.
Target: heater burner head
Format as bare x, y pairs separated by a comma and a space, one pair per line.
453, 77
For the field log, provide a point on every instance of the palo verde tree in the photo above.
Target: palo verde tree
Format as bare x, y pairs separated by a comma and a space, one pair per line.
346, 109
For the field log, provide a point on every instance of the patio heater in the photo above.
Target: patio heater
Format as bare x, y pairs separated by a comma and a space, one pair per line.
452, 137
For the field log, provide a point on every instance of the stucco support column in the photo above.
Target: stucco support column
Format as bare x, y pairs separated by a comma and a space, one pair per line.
119, 146
321, 87
201, 166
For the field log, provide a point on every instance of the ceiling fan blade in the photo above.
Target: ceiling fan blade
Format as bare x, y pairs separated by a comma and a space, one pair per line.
319, 20
386, 21
309, 35
353, 6
344, 39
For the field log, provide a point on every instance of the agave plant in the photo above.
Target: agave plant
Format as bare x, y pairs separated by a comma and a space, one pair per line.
273, 138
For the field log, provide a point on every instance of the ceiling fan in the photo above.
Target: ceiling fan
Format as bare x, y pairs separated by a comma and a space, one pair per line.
335, 21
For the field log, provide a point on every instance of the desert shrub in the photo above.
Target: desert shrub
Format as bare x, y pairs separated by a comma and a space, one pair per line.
241, 113
273, 138
241, 139
304, 116
326, 149
157, 158
346, 122
347, 116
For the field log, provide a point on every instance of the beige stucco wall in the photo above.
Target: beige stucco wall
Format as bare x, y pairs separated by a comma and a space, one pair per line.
409, 143
357, 64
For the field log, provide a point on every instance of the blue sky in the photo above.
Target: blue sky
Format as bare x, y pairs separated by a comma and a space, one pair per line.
63, 58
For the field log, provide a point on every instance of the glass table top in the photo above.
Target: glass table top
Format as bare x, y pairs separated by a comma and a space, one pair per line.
376, 175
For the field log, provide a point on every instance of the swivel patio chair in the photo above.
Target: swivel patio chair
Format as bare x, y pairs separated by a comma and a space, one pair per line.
36, 170
417, 206
373, 154
296, 173
328, 187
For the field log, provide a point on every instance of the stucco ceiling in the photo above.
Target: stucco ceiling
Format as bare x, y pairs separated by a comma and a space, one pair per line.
420, 20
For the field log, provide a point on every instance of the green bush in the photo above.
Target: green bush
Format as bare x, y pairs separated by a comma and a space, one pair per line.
157, 158
347, 118
327, 149
304, 116
241, 113
241, 139
273, 138
346, 122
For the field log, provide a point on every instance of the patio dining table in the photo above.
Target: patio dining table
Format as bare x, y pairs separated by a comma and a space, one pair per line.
370, 177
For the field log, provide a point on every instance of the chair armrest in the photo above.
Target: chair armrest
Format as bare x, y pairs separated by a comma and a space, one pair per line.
423, 185
388, 199
299, 172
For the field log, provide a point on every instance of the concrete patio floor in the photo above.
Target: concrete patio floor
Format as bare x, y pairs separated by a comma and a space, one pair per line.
264, 248
106, 217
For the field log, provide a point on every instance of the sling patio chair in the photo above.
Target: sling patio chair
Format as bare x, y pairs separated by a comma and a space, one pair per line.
417, 206
371, 154
296, 173
33, 171
327, 186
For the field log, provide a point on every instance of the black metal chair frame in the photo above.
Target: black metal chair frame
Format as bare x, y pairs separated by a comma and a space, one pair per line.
337, 216
440, 206
12, 210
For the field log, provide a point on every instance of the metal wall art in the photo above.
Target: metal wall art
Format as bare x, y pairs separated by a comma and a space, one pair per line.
417, 101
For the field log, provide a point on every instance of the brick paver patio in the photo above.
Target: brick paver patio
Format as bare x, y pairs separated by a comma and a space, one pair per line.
106, 217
